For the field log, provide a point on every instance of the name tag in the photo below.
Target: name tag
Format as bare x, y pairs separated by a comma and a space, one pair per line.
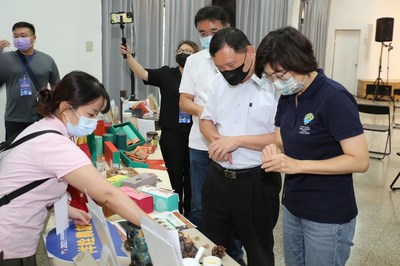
25, 87
184, 118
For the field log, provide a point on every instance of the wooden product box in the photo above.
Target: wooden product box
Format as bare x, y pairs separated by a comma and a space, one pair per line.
131, 163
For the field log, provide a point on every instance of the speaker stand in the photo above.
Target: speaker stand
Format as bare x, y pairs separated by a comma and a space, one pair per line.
379, 82
390, 47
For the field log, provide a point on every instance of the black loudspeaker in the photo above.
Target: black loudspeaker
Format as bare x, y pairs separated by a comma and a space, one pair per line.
384, 29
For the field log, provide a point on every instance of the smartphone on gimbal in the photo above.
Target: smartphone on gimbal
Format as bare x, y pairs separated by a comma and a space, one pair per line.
121, 17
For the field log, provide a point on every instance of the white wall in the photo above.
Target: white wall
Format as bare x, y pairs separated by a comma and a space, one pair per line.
62, 30
356, 15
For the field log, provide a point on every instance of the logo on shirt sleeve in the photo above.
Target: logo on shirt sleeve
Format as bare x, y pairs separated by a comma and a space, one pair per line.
305, 130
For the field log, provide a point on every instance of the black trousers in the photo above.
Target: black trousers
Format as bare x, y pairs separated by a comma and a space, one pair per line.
247, 206
28, 261
175, 151
15, 127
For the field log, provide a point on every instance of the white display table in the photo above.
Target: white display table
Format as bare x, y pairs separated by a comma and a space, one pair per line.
195, 235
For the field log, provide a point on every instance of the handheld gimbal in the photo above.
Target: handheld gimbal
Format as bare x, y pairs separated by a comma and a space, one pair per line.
121, 18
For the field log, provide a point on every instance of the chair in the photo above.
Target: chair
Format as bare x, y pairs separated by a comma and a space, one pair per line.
396, 93
394, 181
379, 110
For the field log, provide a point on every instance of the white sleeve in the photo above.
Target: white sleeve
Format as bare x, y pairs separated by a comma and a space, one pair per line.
187, 83
209, 108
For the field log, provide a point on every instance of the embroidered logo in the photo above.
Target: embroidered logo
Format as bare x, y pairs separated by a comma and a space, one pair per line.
308, 118
305, 130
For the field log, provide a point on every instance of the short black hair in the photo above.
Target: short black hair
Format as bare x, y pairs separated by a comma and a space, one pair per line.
232, 37
211, 13
23, 24
286, 48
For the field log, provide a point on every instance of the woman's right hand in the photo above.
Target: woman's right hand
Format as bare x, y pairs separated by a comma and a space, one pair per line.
273, 160
80, 217
268, 154
124, 50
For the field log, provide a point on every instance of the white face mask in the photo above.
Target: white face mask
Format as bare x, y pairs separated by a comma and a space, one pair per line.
205, 41
289, 86
85, 126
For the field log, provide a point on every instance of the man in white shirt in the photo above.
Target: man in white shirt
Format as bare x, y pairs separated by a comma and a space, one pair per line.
195, 84
239, 198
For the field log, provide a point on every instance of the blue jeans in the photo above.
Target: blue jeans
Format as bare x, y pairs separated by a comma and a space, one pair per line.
199, 162
315, 244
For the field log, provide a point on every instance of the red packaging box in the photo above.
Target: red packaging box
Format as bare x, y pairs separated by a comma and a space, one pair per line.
143, 200
111, 154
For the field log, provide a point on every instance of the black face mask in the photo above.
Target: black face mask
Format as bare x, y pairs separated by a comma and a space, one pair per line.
235, 76
181, 59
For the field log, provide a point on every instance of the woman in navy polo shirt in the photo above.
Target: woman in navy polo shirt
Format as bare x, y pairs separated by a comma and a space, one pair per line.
319, 144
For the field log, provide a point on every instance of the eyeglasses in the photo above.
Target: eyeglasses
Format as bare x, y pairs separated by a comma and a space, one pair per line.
183, 51
277, 75
22, 36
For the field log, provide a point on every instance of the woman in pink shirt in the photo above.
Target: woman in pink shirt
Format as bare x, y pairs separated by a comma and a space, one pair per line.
71, 109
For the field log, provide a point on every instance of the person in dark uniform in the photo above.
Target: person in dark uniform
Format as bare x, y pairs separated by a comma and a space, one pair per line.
175, 124
319, 144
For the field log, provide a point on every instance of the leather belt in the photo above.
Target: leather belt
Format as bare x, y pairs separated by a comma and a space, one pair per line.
236, 173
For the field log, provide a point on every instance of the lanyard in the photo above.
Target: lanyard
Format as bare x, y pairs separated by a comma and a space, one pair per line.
25, 63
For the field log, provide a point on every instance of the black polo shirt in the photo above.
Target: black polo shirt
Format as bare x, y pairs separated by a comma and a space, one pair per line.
168, 80
326, 114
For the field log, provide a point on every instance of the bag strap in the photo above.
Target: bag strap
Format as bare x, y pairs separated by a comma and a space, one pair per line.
28, 137
28, 68
18, 192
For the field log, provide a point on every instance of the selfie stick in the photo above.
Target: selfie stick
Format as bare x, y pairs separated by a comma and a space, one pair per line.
121, 25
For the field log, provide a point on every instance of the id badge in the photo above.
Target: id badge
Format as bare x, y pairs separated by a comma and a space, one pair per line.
25, 87
184, 118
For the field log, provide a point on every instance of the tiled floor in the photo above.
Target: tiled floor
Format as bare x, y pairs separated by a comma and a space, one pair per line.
377, 238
